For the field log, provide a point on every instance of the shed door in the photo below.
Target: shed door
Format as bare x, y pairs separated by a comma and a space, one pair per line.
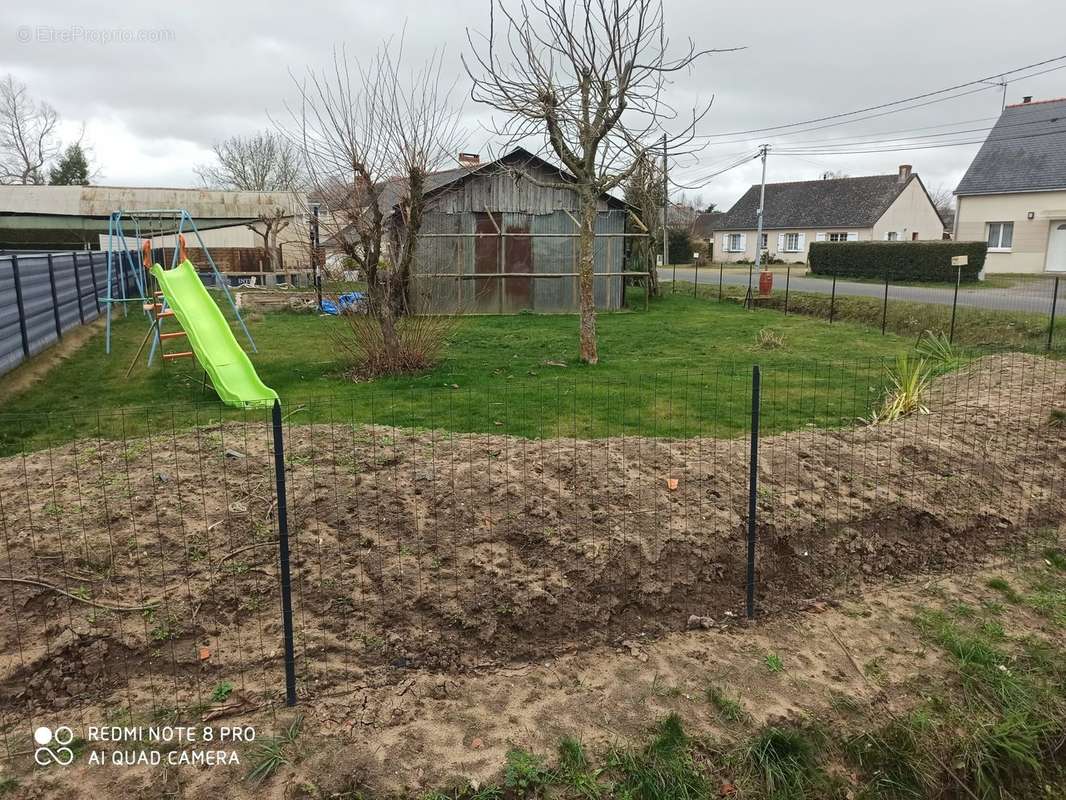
518, 257
486, 262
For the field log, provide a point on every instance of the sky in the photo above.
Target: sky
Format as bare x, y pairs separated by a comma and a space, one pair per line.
153, 85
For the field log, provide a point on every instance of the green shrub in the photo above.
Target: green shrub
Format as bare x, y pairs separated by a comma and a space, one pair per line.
898, 261
680, 246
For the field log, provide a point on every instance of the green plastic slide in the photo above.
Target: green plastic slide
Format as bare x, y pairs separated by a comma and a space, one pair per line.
211, 339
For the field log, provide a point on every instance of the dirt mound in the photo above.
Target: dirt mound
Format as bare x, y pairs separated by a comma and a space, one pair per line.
444, 551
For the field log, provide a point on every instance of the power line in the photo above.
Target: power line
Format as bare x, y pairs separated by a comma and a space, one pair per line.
864, 141
894, 111
935, 145
707, 178
861, 119
893, 103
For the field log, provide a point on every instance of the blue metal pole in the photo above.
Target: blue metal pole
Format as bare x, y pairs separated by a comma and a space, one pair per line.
110, 248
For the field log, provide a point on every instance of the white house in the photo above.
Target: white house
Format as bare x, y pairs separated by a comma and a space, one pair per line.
871, 208
1014, 194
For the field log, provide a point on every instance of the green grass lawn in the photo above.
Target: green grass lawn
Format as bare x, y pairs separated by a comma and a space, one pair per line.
681, 368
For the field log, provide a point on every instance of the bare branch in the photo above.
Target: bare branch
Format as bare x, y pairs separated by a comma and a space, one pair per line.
28, 137
370, 135
587, 78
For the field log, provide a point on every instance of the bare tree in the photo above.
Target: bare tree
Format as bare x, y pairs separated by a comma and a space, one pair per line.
267, 227
28, 136
587, 78
644, 191
370, 135
943, 201
265, 162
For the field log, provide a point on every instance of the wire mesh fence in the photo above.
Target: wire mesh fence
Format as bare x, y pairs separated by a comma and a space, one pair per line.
1005, 312
455, 528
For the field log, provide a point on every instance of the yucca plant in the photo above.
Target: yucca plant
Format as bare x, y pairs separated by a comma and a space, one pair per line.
937, 349
908, 381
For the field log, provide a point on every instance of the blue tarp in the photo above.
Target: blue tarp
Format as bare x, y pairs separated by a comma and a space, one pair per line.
346, 302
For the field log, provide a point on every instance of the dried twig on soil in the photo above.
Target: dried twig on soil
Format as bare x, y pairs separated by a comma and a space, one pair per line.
847, 652
43, 585
239, 550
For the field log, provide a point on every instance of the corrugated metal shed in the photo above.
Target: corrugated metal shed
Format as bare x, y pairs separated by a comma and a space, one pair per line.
461, 236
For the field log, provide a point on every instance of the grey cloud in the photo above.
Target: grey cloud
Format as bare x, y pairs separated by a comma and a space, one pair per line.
225, 68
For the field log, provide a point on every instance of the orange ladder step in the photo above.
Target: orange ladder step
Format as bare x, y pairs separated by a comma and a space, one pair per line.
167, 313
172, 356
173, 335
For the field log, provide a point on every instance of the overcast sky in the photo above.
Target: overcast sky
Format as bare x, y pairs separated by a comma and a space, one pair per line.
152, 109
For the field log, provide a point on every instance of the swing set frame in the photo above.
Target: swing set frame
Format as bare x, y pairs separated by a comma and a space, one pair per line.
123, 261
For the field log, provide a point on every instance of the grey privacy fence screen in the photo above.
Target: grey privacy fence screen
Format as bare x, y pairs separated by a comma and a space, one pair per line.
44, 295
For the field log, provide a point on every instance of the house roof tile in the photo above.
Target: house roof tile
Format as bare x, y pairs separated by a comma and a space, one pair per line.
831, 203
1024, 152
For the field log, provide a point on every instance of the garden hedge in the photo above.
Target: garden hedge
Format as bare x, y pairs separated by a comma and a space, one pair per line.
898, 261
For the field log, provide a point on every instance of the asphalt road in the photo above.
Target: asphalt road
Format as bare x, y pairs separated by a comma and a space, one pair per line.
1029, 295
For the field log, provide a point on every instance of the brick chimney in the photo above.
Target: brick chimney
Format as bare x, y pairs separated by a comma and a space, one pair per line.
469, 159
904, 172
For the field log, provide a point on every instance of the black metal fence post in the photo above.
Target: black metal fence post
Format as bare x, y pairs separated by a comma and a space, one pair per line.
20, 305
1054, 304
96, 287
884, 307
721, 275
753, 486
55, 297
788, 281
283, 557
833, 301
696, 279
77, 287
955, 305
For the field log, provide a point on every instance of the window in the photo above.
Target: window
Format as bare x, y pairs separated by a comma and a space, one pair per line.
792, 242
732, 243
1000, 235
838, 237
764, 241
892, 236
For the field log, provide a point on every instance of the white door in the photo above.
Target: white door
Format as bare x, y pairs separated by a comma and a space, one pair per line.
1056, 247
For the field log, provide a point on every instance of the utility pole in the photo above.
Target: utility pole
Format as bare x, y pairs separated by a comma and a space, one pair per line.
666, 237
758, 233
315, 276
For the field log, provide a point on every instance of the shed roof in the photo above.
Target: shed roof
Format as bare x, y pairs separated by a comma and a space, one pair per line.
519, 157
1024, 152
830, 203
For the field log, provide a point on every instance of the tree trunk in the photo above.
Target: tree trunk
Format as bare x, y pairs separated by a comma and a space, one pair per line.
586, 263
390, 338
271, 246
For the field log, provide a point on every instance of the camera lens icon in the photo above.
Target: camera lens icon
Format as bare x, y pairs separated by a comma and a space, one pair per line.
52, 746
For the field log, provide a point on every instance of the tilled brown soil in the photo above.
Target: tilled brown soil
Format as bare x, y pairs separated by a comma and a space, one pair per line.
448, 552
